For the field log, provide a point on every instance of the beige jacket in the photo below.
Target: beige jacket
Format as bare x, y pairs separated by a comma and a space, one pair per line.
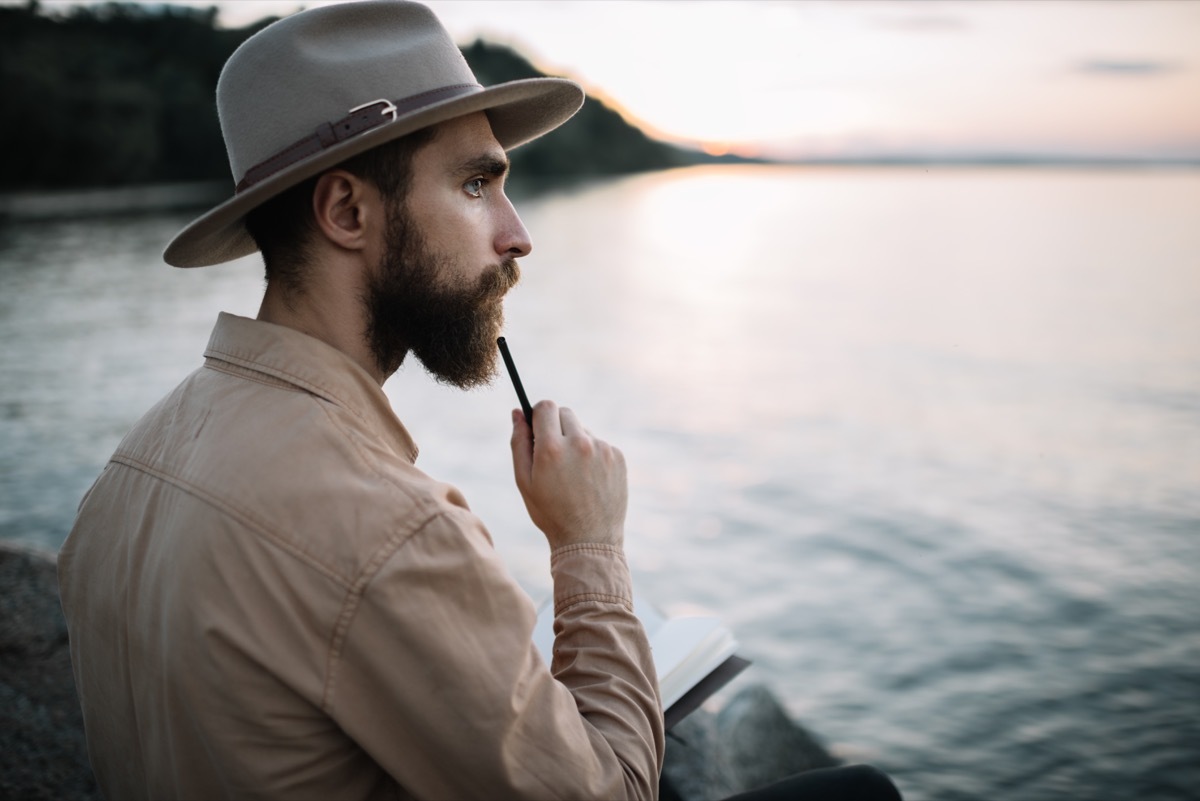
266, 598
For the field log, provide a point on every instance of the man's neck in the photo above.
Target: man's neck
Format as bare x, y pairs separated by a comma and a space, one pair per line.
331, 312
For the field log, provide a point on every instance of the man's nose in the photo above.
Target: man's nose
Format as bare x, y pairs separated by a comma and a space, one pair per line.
512, 240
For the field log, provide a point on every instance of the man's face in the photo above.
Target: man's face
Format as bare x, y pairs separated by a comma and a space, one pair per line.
448, 259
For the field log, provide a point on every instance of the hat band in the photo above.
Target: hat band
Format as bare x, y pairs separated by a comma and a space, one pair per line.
357, 120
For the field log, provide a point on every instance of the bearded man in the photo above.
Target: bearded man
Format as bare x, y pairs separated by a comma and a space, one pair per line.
265, 596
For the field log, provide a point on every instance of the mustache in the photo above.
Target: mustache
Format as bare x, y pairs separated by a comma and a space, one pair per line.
498, 279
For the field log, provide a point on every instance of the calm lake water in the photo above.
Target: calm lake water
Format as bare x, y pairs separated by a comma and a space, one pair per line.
929, 441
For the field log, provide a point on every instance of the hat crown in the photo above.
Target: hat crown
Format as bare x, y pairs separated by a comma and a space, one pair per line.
312, 68
319, 87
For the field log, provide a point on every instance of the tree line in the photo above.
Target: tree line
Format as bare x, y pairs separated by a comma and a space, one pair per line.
121, 94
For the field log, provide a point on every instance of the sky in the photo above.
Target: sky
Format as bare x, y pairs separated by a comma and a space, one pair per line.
824, 78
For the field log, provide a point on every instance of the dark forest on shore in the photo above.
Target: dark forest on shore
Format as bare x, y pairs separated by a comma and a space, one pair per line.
122, 94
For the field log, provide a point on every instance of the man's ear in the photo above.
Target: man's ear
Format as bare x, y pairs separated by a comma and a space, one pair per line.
347, 209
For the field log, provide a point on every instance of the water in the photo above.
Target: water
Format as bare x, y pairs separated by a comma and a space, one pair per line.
928, 440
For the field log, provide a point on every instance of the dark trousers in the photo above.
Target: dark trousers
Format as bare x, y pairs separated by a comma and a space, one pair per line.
847, 783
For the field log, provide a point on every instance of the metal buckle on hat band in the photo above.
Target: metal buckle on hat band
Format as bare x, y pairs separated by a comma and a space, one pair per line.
388, 107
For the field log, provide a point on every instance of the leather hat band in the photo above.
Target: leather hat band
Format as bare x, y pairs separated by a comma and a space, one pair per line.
357, 120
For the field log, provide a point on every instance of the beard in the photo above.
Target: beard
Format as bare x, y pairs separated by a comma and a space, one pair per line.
451, 328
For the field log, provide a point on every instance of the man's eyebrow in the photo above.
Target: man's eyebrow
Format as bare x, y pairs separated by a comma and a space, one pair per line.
491, 165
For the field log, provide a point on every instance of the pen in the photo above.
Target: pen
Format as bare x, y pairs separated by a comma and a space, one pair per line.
516, 379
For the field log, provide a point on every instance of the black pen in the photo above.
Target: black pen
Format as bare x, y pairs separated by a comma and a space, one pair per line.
516, 379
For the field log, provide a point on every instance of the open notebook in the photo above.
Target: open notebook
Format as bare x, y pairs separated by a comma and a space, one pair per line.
693, 656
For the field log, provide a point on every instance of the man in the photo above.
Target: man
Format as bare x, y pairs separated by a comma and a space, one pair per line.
265, 596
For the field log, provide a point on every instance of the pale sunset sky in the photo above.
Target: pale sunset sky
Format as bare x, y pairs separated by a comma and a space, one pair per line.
803, 78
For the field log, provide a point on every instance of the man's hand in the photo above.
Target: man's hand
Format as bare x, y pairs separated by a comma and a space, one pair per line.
573, 484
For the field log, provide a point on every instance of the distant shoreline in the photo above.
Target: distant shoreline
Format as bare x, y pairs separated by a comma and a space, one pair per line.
50, 204
1001, 161
55, 203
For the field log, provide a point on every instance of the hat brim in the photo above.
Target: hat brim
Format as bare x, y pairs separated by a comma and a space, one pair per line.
519, 111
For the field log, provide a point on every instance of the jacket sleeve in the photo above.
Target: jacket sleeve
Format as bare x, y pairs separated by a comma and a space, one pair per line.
433, 672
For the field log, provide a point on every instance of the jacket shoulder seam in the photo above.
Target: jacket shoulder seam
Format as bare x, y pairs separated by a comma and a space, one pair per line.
241, 515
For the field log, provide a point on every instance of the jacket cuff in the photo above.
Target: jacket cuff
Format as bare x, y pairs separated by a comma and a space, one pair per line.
590, 572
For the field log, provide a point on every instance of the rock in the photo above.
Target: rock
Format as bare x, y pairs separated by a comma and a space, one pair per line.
762, 744
750, 743
43, 754
694, 768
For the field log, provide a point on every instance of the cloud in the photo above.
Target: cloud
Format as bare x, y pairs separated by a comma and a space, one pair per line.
1124, 67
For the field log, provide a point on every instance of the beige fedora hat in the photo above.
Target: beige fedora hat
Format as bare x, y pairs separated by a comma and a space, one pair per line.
323, 85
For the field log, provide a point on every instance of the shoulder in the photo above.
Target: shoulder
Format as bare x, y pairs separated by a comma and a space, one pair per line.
282, 468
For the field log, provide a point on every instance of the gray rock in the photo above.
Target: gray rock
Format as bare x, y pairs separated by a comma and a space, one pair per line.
750, 743
694, 768
762, 744
43, 754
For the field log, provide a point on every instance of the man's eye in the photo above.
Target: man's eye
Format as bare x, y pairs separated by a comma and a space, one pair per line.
474, 187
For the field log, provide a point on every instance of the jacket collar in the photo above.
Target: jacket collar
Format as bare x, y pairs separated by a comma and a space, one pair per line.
311, 365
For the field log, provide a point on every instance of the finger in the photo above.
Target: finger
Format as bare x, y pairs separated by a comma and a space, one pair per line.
571, 427
546, 424
522, 448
